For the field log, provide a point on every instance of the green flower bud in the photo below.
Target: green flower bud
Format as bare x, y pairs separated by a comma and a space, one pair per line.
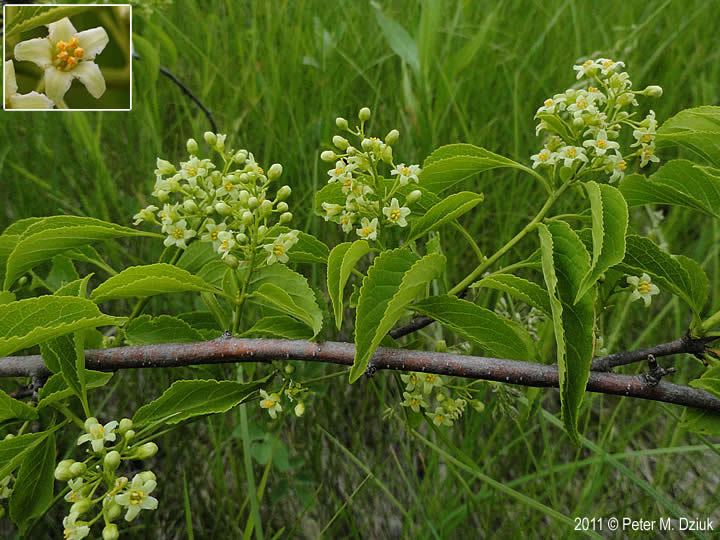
111, 509
110, 532
164, 166
210, 138
62, 471
111, 461
190, 206
366, 144
275, 171
243, 197
653, 91
223, 209
77, 469
364, 114
241, 238
441, 345
340, 142
262, 231
23, 281
192, 146
240, 156
283, 193
328, 155
247, 218
82, 506
341, 123
289, 369
351, 151
266, 207
299, 409
231, 260
413, 196
124, 425
130, 434
286, 217
392, 137
387, 155
146, 451
253, 203
282, 207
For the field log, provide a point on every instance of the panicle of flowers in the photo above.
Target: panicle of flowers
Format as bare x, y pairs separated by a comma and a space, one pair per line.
97, 490
583, 124
369, 179
228, 205
294, 392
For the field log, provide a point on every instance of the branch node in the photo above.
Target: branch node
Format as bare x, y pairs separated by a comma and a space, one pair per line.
370, 371
656, 373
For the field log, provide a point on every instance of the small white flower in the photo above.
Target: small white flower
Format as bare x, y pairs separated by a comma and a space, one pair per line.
553, 104
229, 187
137, 497
164, 167
15, 100
225, 243
193, 169
586, 68
178, 234
341, 171
643, 287
368, 229
146, 214
608, 66
406, 173
277, 251
647, 155
347, 221
66, 54
396, 214
213, 233
168, 215
543, 157
97, 434
571, 154
358, 191
615, 165
331, 210
601, 144
74, 530
271, 403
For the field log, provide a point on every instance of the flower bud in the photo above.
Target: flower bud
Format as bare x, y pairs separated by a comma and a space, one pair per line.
190, 206
253, 203
341, 123
282, 207
299, 409
80, 507
240, 156
77, 469
366, 144
124, 425
413, 196
262, 231
130, 434
231, 260
192, 146
286, 217
289, 369
653, 91
241, 238
275, 171
164, 167
146, 451
364, 114
111, 461
387, 155
266, 207
328, 155
210, 138
223, 209
112, 509
392, 137
283, 193
340, 142
62, 471
22, 281
247, 218
441, 345
220, 142
110, 532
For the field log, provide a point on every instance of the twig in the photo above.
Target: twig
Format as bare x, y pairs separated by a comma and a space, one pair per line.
266, 350
684, 345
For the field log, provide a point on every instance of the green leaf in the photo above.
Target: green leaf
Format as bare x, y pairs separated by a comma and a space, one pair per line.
494, 334
395, 279
680, 275
454, 163
705, 422
329, 193
447, 210
341, 262
30, 17
564, 262
522, 289
33, 491
56, 389
288, 292
44, 239
556, 125
7, 244
188, 399
697, 130
14, 450
6, 297
196, 256
147, 330
678, 182
66, 354
609, 225
13, 409
398, 39
75, 288
150, 280
28, 322
61, 272
279, 326
307, 250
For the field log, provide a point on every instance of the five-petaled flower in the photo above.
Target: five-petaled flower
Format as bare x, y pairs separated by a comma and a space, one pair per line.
15, 100
643, 287
97, 434
178, 234
271, 403
137, 497
74, 530
406, 173
396, 214
66, 54
368, 229
601, 144
414, 400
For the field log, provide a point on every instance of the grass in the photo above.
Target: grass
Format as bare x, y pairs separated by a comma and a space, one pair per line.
276, 74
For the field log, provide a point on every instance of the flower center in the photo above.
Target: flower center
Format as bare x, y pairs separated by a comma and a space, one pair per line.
278, 250
607, 64
622, 165
214, 235
394, 214
571, 152
178, 234
367, 231
339, 171
229, 186
544, 155
646, 138
225, 245
192, 171
136, 496
644, 287
67, 54
582, 103
602, 143
97, 431
548, 102
405, 171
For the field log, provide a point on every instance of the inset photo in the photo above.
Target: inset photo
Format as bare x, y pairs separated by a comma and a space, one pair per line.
67, 57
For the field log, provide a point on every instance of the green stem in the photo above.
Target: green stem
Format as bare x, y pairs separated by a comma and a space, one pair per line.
711, 322
470, 240
465, 283
247, 462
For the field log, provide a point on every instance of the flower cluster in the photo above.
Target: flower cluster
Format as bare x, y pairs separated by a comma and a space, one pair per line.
64, 55
229, 207
109, 446
295, 393
371, 200
584, 123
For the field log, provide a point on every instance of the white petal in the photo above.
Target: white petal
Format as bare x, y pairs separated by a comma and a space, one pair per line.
89, 74
33, 100
63, 30
38, 51
149, 503
57, 83
10, 82
93, 41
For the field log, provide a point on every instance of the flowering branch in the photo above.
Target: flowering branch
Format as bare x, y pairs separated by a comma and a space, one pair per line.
229, 350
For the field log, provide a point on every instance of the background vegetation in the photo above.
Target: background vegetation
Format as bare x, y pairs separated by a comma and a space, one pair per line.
276, 74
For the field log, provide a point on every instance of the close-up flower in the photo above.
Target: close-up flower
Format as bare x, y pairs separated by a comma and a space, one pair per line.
136, 496
97, 434
271, 403
642, 288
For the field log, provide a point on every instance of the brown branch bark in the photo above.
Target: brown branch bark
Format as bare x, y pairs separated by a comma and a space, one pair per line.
228, 350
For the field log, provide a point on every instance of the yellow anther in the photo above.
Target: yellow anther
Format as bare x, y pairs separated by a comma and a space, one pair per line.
395, 214
548, 102
74, 42
61, 45
62, 55
622, 165
278, 250
71, 62
602, 143
79, 52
